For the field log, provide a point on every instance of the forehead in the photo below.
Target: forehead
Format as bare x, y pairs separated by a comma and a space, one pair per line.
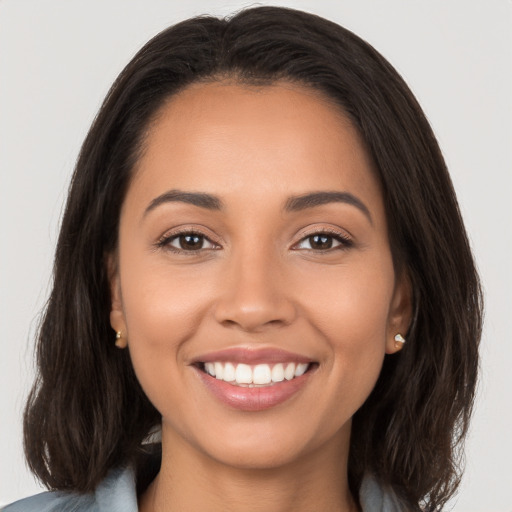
226, 138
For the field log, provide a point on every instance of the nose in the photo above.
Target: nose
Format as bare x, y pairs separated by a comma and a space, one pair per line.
254, 295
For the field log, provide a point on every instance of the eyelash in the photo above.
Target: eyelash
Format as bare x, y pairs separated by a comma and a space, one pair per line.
165, 242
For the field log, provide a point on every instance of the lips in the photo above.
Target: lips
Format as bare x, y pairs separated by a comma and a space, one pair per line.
252, 356
253, 380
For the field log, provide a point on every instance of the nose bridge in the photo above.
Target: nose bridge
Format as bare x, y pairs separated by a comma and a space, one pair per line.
254, 292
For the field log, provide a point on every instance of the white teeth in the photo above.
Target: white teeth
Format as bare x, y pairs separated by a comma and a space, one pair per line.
261, 374
258, 375
210, 369
289, 371
229, 372
278, 373
243, 374
300, 370
219, 371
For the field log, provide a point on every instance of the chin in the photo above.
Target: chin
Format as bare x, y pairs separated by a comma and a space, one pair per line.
264, 456
270, 444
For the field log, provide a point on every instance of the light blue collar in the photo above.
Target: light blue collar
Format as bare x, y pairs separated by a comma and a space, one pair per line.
117, 493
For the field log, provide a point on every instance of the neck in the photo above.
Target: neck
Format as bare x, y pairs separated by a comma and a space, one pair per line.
190, 480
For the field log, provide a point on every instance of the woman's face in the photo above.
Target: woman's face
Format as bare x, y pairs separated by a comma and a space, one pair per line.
253, 245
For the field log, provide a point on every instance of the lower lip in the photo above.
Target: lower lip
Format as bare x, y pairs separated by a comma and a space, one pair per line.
253, 399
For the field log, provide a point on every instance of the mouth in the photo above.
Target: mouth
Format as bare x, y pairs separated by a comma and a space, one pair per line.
251, 376
254, 380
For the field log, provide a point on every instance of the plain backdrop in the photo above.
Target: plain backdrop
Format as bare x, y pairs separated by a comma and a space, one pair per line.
57, 61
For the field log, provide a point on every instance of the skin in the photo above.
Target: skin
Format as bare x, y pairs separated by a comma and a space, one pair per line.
260, 282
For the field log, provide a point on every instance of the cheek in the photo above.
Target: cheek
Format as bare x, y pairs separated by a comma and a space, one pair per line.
161, 310
351, 302
161, 302
350, 307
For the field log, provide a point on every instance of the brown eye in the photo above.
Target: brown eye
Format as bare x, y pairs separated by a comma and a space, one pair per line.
320, 242
324, 242
188, 242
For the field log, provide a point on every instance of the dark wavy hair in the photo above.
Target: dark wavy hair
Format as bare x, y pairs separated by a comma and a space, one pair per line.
87, 412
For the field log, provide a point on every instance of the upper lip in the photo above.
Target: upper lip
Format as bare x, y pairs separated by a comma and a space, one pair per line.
252, 356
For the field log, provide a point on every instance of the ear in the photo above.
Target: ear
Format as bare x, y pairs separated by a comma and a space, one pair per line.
400, 313
117, 318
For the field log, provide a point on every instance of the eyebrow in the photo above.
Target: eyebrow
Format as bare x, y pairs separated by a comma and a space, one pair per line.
200, 199
298, 203
293, 204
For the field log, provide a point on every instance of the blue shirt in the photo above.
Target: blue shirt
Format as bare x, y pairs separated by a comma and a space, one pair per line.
117, 493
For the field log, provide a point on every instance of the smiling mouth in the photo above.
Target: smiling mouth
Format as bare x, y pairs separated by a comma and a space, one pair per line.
252, 376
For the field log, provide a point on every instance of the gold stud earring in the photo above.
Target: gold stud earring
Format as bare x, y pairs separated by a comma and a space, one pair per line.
120, 341
399, 341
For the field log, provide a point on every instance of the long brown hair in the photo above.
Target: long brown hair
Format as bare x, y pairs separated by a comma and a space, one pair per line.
87, 412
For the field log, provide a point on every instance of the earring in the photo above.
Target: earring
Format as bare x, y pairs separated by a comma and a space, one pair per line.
399, 341
120, 341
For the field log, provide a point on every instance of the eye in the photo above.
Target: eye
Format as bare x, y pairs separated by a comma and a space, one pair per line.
188, 241
324, 242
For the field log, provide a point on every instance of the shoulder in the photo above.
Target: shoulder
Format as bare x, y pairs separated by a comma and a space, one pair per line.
54, 501
375, 498
116, 493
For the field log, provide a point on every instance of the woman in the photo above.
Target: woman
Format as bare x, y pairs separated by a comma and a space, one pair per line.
262, 256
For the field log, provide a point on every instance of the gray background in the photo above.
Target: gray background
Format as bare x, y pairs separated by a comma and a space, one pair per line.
57, 61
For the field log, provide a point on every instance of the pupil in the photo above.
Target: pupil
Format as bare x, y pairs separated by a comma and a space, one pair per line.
191, 241
321, 242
